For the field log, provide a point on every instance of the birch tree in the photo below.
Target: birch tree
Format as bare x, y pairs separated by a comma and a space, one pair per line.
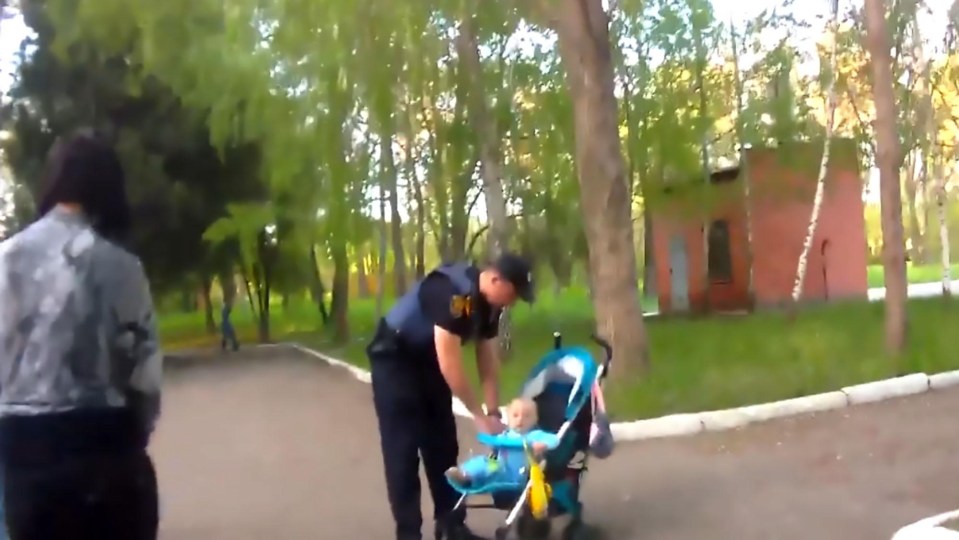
942, 194
824, 162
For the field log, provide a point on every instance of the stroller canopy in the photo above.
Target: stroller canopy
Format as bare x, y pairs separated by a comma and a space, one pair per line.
570, 368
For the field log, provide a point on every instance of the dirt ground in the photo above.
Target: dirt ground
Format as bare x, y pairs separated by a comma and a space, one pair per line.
272, 445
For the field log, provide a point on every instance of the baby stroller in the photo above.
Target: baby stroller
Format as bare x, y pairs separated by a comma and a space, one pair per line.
564, 385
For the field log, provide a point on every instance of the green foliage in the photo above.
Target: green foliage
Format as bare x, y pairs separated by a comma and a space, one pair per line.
245, 223
176, 182
248, 114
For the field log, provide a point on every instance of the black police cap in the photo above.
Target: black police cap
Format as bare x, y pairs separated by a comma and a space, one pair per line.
518, 271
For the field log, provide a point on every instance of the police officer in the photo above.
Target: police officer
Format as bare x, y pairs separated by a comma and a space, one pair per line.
417, 367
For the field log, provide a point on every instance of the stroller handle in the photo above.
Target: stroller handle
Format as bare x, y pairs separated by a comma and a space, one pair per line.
607, 348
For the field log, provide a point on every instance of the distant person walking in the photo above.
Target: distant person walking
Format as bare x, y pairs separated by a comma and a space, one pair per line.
80, 363
226, 327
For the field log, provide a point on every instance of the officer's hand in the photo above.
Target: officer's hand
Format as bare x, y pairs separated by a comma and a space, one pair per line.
488, 424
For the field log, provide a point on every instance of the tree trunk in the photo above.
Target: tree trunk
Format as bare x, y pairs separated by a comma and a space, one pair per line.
704, 125
941, 200
341, 295
187, 299
457, 230
743, 162
206, 283
261, 292
419, 268
582, 27
264, 320
889, 159
415, 187
916, 252
250, 298
318, 290
396, 222
942, 194
823, 162
362, 281
385, 148
491, 158
649, 256
267, 254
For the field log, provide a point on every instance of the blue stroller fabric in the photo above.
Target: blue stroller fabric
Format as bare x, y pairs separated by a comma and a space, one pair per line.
507, 465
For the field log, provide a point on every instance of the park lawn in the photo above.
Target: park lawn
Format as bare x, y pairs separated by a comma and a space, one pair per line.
925, 273
698, 364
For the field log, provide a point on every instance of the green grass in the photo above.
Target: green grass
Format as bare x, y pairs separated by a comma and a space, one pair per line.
925, 273
700, 364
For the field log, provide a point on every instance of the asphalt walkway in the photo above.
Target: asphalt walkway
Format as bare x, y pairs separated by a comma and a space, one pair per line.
273, 445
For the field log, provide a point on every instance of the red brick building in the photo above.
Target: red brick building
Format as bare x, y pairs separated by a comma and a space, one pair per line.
692, 277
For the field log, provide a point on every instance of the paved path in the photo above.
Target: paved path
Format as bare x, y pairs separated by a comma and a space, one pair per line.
281, 447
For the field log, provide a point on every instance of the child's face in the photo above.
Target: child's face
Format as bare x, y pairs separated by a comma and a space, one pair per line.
521, 415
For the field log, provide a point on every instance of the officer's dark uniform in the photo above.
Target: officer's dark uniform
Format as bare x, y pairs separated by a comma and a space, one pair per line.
413, 400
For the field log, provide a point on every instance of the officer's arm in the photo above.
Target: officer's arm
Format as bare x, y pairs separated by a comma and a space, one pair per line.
487, 362
436, 298
450, 356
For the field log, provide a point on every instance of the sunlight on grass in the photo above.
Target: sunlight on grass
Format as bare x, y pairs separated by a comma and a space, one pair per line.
698, 364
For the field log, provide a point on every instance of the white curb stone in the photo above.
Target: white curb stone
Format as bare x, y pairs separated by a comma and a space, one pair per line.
943, 380
734, 418
725, 419
359, 373
926, 533
692, 423
929, 529
906, 385
673, 425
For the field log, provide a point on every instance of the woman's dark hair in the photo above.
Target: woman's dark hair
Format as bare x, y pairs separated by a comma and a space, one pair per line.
85, 170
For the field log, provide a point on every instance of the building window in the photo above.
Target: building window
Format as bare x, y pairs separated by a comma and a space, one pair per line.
720, 258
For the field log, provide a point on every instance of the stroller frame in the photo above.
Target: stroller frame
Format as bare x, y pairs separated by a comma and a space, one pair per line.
518, 513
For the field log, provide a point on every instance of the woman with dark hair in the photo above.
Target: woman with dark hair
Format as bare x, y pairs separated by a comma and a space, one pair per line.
80, 364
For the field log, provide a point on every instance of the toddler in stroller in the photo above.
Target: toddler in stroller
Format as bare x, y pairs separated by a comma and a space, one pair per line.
536, 473
508, 465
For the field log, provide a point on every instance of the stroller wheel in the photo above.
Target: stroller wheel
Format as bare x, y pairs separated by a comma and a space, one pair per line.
502, 533
530, 528
574, 531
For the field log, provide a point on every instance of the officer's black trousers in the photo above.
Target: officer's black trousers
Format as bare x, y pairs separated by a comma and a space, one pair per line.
413, 406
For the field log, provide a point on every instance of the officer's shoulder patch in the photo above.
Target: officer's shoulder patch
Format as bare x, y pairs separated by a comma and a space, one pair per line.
460, 305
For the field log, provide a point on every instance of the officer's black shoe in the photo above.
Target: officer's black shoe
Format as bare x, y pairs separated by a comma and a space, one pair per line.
455, 531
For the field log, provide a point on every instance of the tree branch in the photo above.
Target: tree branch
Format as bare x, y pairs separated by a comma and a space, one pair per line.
855, 109
479, 232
